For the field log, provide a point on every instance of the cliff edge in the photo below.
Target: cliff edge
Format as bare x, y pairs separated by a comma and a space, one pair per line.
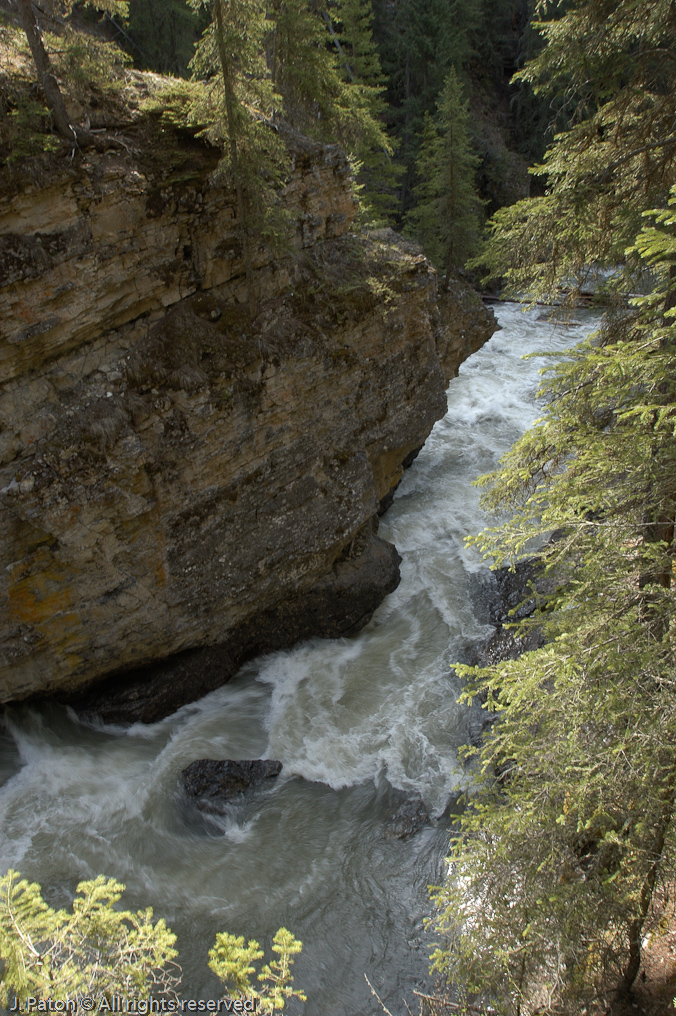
182, 486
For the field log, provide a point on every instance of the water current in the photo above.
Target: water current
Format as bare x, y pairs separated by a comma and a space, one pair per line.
356, 722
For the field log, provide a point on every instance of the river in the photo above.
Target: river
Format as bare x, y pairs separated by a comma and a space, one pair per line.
354, 721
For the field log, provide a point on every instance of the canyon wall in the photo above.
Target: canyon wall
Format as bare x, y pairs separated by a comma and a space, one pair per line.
183, 485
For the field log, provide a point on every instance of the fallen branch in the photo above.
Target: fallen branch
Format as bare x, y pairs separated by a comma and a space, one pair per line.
374, 992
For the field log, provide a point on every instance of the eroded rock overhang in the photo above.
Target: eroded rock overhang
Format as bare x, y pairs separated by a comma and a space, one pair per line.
183, 487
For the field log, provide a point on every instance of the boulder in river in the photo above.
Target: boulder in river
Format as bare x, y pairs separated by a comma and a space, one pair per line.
411, 816
212, 783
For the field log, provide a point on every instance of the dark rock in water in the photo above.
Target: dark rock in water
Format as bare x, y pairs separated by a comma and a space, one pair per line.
511, 592
454, 805
477, 725
411, 816
212, 783
506, 597
503, 645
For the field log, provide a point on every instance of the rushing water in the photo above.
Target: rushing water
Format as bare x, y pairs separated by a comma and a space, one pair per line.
354, 721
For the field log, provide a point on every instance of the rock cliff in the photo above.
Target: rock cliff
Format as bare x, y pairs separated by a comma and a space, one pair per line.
182, 486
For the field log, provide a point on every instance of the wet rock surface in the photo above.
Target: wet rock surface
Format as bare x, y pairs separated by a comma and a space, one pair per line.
507, 596
211, 784
408, 819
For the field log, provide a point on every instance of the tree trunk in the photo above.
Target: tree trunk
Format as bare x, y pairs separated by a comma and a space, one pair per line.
635, 928
336, 42
50, 87
46, 77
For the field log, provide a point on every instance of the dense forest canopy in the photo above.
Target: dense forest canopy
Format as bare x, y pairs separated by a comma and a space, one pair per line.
365, 75
407, 46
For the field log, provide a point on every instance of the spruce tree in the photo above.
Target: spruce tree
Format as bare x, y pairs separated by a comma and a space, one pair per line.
377, 172
446, 217
420, 40
359, 52
571, 831
303, 67
616, 157
571, 827
322, 95
237, 105
94, 950
98, 951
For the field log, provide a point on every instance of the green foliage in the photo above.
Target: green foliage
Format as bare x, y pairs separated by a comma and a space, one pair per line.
162, 34
420, 40
237, 105
303, 69
24, 120
614, 63
86, 63
101, 951
446, 216
95, 949
376, 172
243, 40
232, 961
258, 62
570, 830
27, 128
329, 80
116, 8
177, 103
361, 61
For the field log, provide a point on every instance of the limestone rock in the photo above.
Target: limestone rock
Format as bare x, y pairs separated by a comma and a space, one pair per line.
183, 486
339, 603
509, 595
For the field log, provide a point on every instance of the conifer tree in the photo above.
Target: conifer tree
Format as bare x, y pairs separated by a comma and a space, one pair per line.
446, 216
163, 34
614, 64
322, 95
571, 829
232, 961
238, 105
420, 41
93, 950
303, 67
360, 54
377, 173
49, 84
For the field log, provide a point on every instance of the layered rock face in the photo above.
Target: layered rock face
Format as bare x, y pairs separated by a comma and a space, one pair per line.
183, 486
